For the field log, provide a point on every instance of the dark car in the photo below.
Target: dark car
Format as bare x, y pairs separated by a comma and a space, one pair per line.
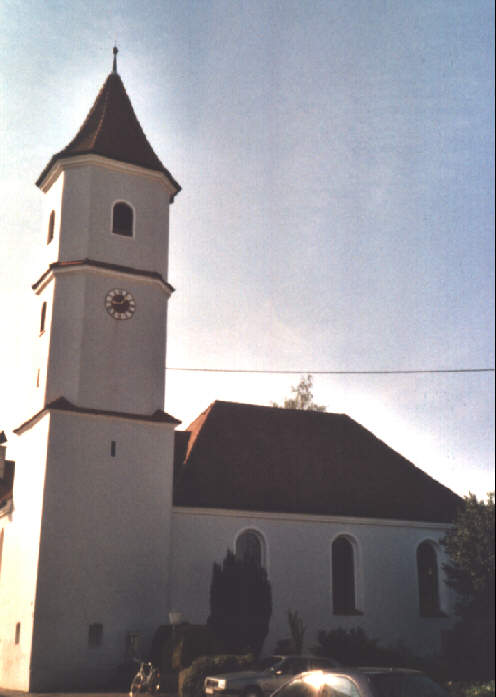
266, 677
361, 682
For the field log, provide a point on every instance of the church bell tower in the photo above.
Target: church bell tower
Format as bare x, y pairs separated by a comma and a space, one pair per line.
93, 486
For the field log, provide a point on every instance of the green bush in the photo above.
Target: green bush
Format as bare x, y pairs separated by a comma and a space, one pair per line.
469, 651
191, 642
191, 679
462, 689
352, 647
175, 648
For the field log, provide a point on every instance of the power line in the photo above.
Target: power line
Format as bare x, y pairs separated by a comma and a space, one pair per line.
335, 372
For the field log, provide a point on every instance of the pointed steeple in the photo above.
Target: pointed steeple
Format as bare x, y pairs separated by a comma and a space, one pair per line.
112, 130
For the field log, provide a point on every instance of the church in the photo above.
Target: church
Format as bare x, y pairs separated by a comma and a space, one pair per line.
111, 517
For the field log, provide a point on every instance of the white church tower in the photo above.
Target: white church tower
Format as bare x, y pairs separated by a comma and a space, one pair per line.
85, 558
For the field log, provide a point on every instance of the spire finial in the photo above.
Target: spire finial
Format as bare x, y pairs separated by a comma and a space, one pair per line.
115, 51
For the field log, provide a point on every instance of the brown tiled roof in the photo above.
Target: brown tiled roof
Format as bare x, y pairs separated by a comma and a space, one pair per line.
247, 457
111, 129
63, 404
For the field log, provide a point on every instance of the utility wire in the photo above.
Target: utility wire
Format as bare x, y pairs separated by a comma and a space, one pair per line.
334, 372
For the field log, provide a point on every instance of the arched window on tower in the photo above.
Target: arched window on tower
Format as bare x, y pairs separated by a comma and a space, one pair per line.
122, 219
249, 547
428, 583
343, 577
51, 227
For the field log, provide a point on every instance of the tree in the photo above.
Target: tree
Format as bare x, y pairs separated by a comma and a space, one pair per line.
470, 572
303, 398
470, 547
240, 604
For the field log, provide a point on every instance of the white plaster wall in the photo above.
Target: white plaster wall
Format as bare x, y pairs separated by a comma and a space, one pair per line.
104, 555
52, 200
88, 194
298, 554
97, 361
20, 557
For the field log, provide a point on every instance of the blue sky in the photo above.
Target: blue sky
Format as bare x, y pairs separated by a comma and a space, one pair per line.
337, 208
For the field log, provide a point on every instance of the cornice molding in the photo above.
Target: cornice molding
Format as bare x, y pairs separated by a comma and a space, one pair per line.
308, 518
95, 266
159, 417
48, 179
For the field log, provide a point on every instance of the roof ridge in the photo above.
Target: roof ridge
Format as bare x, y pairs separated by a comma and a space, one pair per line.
405, 460
280, 409
104, 109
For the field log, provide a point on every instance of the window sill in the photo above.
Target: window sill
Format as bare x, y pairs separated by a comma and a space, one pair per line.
439, 614
347, 613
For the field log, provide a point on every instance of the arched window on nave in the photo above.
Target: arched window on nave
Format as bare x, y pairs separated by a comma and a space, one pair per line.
343, 577
428, 581
249, 547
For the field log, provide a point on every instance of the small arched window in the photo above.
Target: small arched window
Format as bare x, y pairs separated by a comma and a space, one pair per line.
122, 219
249, 547
428, 583
343, 577
51, 227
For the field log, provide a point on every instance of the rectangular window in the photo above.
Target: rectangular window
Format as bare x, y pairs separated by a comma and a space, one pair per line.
1, 549
95, 635
43, 317
18, 633
113, 448
132, 645
51, 227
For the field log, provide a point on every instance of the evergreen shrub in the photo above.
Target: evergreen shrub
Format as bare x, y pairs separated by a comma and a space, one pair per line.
240, 605
352, 647
463, 689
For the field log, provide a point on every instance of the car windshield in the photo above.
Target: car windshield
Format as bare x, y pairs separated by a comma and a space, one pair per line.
267, 662
405, 685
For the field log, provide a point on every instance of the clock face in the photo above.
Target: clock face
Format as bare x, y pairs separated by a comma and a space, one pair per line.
120, 304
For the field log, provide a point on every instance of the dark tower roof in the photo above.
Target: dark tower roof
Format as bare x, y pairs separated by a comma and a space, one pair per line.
112, 130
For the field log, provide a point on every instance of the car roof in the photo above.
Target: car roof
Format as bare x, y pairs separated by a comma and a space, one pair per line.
369, 670
362, 670
300, 656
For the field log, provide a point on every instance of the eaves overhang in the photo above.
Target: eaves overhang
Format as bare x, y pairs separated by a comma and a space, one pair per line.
96, 266
61, 162
63, 405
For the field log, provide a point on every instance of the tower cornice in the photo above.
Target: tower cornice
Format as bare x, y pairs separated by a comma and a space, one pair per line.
95, 266
63, 404
56, 167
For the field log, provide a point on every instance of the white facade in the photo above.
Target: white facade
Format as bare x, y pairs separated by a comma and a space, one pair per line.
297, 557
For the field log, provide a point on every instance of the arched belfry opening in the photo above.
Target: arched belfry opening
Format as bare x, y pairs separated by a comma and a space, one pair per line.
122, 219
